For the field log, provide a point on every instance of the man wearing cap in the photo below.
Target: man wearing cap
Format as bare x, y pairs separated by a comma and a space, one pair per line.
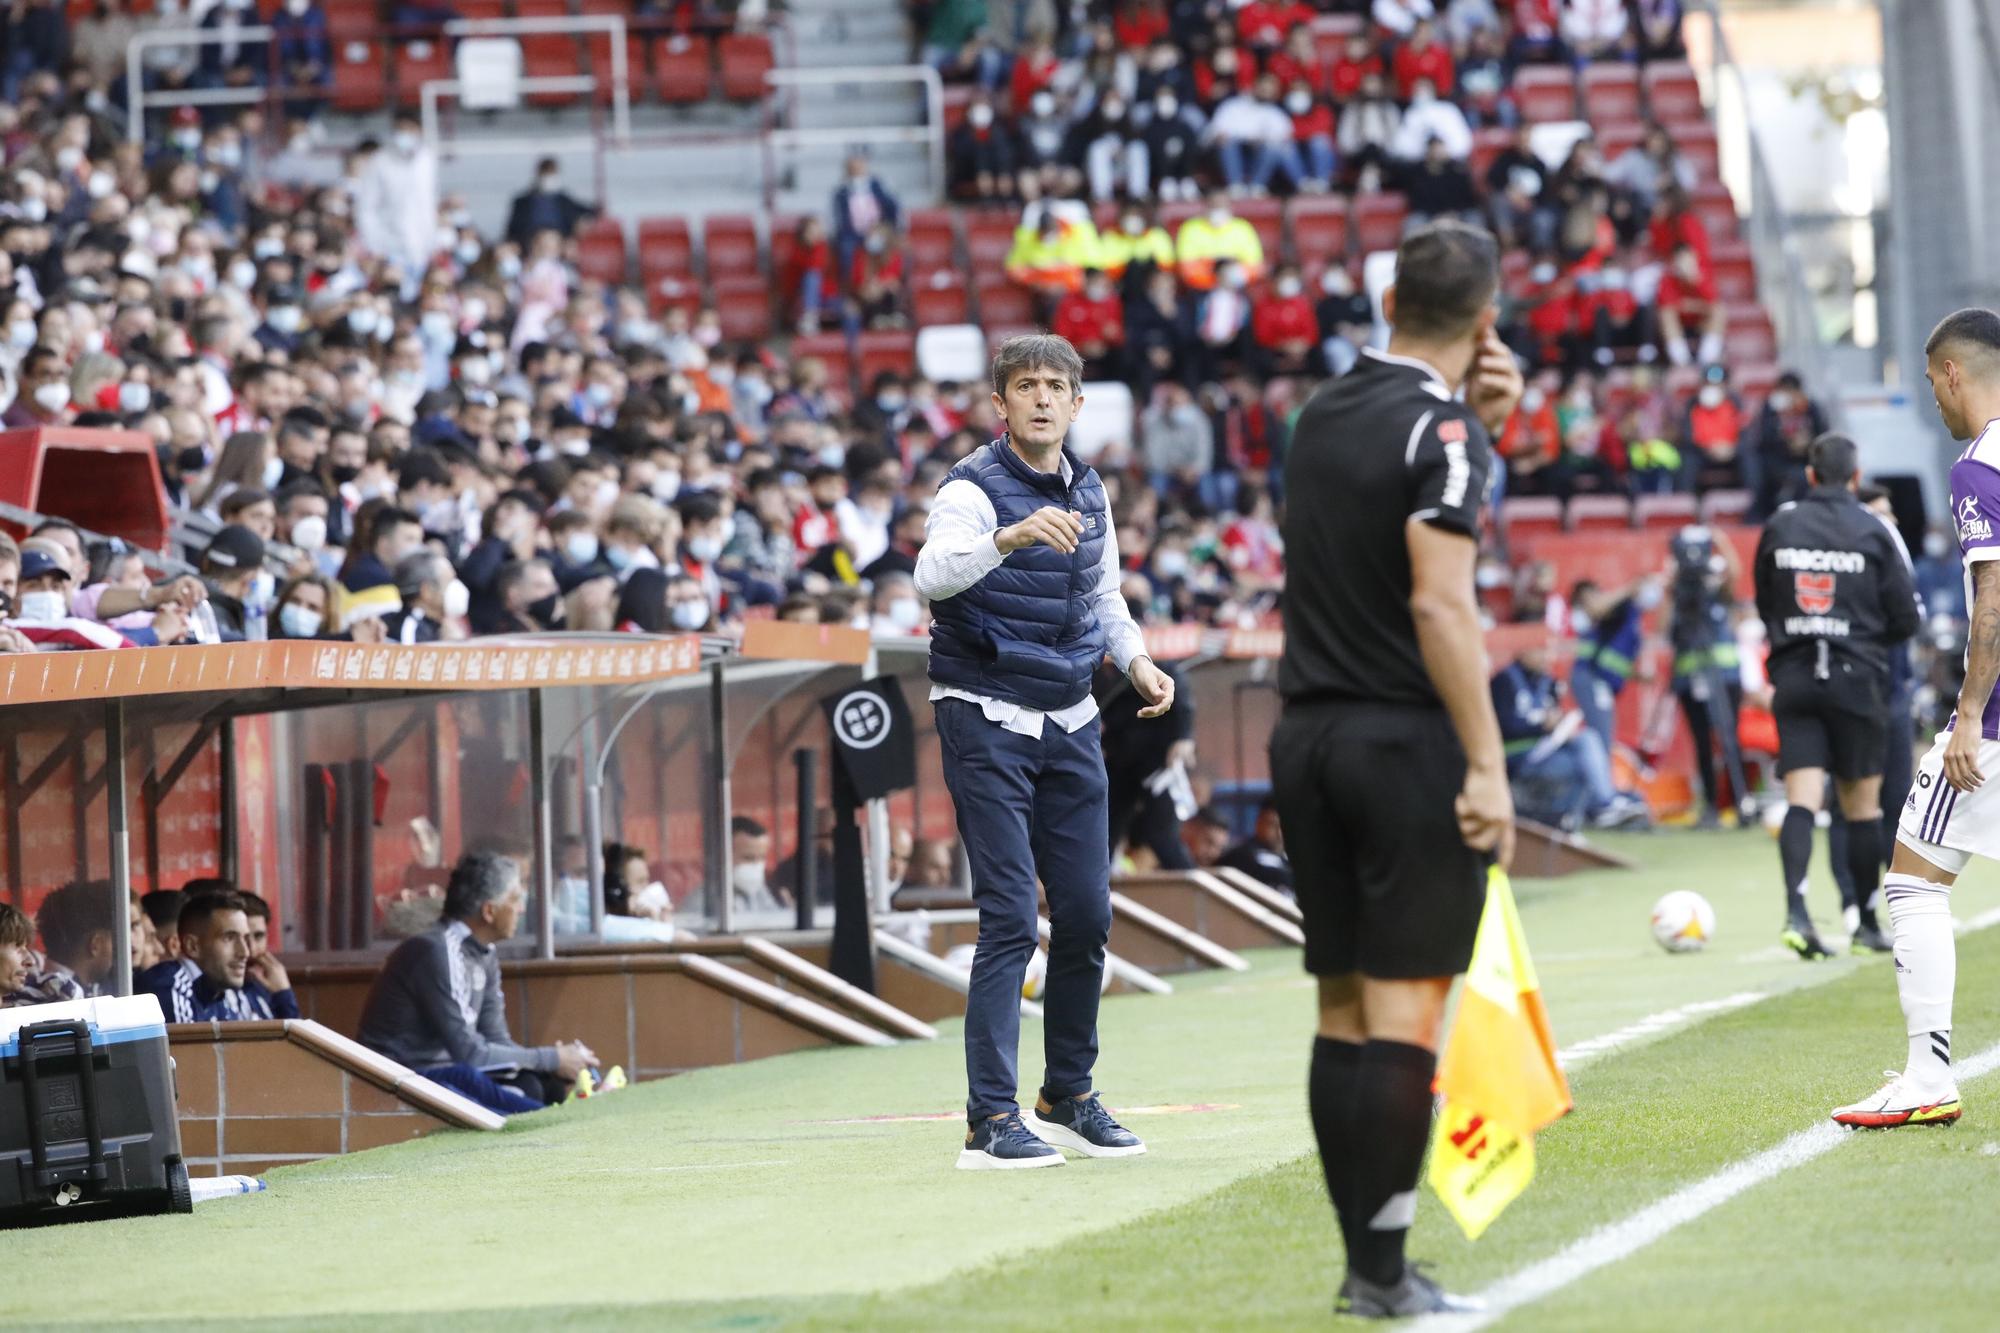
229, 566
41, 611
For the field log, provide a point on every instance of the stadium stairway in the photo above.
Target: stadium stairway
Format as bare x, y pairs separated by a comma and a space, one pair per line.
252, 1096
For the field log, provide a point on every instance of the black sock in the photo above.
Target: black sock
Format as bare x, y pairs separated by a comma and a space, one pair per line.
1392, 1126
1795, 842
1330, 1092
1864, 863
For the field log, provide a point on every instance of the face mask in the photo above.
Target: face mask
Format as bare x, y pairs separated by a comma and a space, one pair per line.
665, 486
52, 397
514, 430
134, 397
1579, 621
69, 159
1217, 216
905, 612
263, 586
576, 446
468, 253
406, 142
1336, 282
299, 622
286, 319
437, 325
747, 880
1422, 97
981, 116
1289, 287
274, 469
1648, 596
1167, 107
896, 402
309, 533
228, 156
509, 267
600, 394
1781, 401
580, 546
833, 455
457, 599
243, 275
187, 140
101, 184
707, 335
1042, 104
689, 615
297, 8
1235, 280
1711, 395
607, 494
361, 319
618, 557
93, 342
1543, 273
1299, 103
475, 370
192, 460
547, 183
21, 334
1171, 563
1532, 398
40, 606
704, 549
548, 611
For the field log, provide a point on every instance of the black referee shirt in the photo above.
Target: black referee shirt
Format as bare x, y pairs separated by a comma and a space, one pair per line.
1383, 444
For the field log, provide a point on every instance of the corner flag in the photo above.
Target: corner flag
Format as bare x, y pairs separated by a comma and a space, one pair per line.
1498, 1076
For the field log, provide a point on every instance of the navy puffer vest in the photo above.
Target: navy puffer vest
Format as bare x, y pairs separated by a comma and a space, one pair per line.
1027, 633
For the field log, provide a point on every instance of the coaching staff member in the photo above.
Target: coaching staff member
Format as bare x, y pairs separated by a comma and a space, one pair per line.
1021, 567
1835, 592
1386, 761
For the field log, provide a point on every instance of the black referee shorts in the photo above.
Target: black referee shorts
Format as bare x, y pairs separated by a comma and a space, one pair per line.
1840, 723
1366, 795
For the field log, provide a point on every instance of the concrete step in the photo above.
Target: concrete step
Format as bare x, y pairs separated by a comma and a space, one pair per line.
819, 36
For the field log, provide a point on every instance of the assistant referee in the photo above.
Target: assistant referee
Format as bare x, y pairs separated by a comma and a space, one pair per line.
1386, 763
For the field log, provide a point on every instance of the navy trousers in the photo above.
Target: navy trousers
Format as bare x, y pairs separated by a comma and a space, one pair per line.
1030, 807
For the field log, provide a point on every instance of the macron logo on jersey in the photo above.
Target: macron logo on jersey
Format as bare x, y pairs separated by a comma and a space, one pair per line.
1972, 525
1815, 561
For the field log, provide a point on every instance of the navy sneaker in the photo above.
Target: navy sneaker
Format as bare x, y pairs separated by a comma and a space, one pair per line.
1083, 1125
1003, 1143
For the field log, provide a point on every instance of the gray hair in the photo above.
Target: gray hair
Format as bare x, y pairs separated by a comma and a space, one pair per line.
1037, 351
479, 878
419, 567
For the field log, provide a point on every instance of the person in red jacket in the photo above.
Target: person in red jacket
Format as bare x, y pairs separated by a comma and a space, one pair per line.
1264, 25
1299, 62
1094, 321
1230, 64
1034, 69
1675, 224
811, 280
1283, 326
1140, 23
1691, 316
1356, 63
1312, 131
1423, 57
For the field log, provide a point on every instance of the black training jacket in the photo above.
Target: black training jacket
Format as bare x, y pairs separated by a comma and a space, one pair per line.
1831, 572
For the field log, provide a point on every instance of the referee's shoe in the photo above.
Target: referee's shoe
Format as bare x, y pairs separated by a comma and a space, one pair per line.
1415, 1293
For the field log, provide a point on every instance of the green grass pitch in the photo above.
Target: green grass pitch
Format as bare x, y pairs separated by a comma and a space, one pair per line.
808, 1191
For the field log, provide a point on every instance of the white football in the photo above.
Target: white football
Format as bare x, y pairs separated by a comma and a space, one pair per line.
1683, 922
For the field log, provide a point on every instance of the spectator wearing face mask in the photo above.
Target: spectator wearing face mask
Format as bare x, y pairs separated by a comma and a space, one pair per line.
1113, 149
1713, 431
1691, 313
395, 204
861, 203
1179, 440
545, 206
1222, 323
895, 608
43, 398
1784, 430
1094, 322
1370, 121
1173, 139
230, 566
530, 601
1423, 58
1313, 129
1283, 328
1136, 246
434, 600
1209, 239
1252, 138
302, 607
1431, 117
1346, 320
980, 154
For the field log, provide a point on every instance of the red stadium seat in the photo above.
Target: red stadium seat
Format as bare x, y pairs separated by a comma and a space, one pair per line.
1002, 304
1610, 93
420, 60
666, 249
600, 250
1545, 93
743, 303
1525, 517
1670, 512
1749, 336
360, 69
989, 235
1735, 271
599, 44
784, 243
729, 246
940, 298
1716, 208
1487, 144
1672, 92
1378, 221
746, 58
1330, 33
933, 239
548, 55
681, 69
1267, 216
672, 292
1754, 383
1319, 229
1613, 140
878, 350
1695, 140
1171, 216
830, 348
1597, 512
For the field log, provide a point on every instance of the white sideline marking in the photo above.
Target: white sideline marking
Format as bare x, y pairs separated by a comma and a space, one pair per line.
1626, 1237
1651, 1025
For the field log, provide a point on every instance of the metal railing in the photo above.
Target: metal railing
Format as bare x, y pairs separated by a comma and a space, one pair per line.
930, 134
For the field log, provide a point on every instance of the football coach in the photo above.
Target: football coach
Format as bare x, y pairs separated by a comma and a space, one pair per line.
1386, 760
1021, 568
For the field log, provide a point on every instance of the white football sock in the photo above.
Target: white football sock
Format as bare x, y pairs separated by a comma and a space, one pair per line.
1926, 972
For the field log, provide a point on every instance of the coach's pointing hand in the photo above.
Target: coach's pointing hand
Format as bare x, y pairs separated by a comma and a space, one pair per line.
1486, 813
1050, 525
1155, 686
1494, 386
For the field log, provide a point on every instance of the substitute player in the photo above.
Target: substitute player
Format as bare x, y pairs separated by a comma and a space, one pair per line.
1386, 763
1021, 566
1835, 594
1952, 812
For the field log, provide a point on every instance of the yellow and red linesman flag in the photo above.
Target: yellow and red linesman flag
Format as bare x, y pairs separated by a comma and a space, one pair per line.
1498, 1075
